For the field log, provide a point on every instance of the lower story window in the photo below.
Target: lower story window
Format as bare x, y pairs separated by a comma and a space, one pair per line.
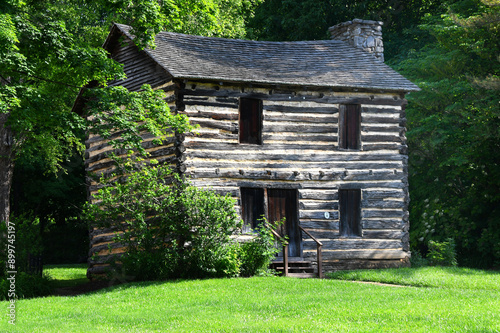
350, 212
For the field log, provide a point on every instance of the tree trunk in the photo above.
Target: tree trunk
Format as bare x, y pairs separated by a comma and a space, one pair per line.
6, 166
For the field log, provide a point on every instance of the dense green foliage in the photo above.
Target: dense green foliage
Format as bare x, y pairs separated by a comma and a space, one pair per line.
458, 300
170, 229
449, 48
454, 133
256, 255
20, 268
49, 50
174, 230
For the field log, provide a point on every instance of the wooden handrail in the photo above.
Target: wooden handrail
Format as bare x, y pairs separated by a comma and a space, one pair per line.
285, 249
318, 249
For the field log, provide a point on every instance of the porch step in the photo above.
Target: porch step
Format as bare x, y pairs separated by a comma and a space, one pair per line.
303, 275
296, 268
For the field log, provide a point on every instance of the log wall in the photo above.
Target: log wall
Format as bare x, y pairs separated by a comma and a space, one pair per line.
300, 150
140, 69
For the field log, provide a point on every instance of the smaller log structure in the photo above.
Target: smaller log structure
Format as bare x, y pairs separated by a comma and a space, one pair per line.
311, 131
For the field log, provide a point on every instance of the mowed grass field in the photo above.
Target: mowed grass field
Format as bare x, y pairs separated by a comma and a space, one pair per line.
455, 300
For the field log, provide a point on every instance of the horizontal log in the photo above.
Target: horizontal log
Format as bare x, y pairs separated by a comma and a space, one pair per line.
354, 244
303, 120
359, 254
188, 102
301, 109
223, 125
319, 224
323, 204
318, 215
382, 224
383, 234
297, 97
323, 234
381, 138
319, 195
369, 119
295, 128
280, 156
210, 115
382, 204
328, 137
367, 109
290, 175
382, 213
351, 264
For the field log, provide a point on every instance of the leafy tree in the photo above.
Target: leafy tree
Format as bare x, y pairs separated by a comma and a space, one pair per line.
453, 132
50, 49
310, 19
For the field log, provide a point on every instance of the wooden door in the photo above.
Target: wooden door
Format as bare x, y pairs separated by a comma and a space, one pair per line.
283, 204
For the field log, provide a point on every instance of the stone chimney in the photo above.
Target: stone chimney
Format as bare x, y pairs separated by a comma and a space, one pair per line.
364, 34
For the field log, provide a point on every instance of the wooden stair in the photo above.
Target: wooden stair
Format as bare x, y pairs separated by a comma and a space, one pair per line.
296, 268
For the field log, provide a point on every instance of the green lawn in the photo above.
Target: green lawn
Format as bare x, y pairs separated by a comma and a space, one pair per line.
273, 304
66, 275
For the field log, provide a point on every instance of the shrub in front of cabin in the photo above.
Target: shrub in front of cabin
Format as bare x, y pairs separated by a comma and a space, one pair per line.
169, 228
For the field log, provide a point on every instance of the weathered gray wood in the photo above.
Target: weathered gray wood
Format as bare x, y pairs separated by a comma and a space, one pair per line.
350, 264
354, 244
310, 214
359, 254
324, 204
320, 224
383, 234
382, 224
314, 157
323, 234
211, 115
382, 213
300, 109
382, 204
303, 98
303, 119
223, 125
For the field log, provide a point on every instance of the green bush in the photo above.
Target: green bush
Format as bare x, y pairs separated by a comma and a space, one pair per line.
256, 255
417, 259
17, 245
26, 286
442, 253
170, 228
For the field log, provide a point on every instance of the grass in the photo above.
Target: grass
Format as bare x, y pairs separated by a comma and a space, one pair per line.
273, 304
436, 277
66, 275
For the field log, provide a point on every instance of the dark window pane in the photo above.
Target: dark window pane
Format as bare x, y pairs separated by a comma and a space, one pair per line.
350, 126
252, 206
250, 121
350, 212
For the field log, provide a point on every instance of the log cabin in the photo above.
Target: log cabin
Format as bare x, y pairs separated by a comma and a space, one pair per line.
312, 131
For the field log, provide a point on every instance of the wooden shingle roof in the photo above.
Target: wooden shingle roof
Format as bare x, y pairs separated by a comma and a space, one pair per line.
323, 63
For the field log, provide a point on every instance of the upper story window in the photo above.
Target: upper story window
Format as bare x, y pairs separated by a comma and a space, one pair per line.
350, 126
251, 121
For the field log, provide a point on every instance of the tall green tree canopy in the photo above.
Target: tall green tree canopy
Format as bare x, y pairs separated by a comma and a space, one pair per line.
50, 49
454, 131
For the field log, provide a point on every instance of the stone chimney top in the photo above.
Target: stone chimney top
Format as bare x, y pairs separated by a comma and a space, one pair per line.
364, 34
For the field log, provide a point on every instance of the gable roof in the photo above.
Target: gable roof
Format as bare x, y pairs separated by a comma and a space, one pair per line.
323, 63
